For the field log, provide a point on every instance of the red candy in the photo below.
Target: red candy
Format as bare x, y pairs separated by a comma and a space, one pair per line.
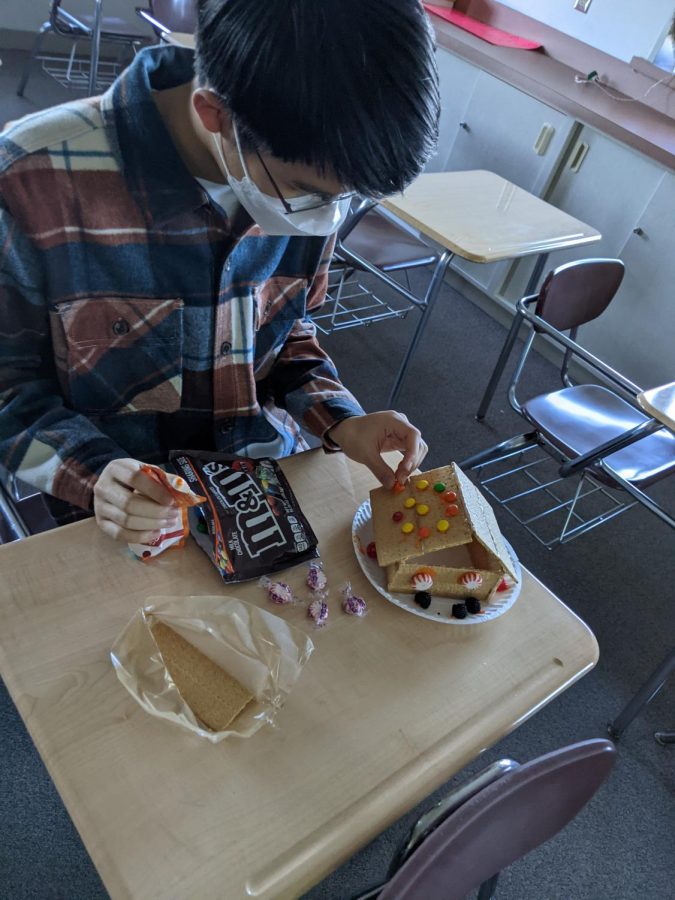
398, 516
398, 487
424, 532
452, 510
449, 496
371, 550
503, 585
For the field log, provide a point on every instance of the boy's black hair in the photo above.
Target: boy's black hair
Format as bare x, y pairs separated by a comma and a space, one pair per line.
347, 86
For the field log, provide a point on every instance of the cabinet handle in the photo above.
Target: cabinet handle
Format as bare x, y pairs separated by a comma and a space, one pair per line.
639, 231
465, 126
578, 156
544, 139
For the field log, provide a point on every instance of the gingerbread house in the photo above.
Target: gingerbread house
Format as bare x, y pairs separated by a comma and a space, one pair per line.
437, 533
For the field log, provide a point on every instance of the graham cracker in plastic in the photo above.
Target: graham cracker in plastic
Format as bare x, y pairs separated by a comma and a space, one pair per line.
391, 543
213, 696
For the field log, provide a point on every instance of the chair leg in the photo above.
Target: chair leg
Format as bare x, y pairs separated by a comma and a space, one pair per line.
492, 453
664, 737
646, 693
487, 889
37, 44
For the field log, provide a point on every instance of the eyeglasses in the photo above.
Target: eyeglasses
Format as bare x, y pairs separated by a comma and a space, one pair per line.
301, 207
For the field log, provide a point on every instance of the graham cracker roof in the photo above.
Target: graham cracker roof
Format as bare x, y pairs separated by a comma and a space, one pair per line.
475, 518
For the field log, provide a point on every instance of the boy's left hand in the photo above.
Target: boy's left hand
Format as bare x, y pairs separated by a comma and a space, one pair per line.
364, 438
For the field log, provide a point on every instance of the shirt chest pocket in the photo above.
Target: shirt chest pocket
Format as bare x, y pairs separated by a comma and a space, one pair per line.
119, 355
280, 297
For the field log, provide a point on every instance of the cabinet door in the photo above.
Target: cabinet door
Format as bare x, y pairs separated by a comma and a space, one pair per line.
636, 334
604, 184
457, 79
498, 132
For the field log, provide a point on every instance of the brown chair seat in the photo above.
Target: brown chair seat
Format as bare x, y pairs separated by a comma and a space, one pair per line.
387, 246
580, 418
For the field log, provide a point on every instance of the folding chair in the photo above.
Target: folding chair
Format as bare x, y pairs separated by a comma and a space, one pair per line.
370, 241
92, 73
590, 429
501, 815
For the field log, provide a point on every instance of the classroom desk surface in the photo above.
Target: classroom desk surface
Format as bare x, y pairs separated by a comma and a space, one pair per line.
659, 402
485, 218
388, 708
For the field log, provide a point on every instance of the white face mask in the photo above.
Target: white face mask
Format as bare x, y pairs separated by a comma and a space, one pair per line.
269, 213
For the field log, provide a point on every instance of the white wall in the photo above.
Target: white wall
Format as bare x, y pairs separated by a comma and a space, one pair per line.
622, 28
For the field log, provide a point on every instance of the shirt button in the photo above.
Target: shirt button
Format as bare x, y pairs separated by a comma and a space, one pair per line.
226, 426
121, 326
225, 348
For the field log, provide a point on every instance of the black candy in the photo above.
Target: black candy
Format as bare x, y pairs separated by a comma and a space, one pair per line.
459, 610
423, 599
473, 605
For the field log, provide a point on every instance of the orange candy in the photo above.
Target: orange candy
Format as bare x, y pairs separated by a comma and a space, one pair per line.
449, 496
452, 510
424, 532
398, 487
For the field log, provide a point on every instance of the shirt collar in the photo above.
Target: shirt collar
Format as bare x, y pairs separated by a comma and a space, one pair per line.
153, 169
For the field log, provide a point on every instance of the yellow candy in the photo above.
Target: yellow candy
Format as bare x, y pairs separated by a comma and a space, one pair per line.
409, 503
407, 527
422, 509
422, 485
442, 525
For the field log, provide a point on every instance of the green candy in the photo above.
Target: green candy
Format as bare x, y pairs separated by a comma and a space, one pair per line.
439, 487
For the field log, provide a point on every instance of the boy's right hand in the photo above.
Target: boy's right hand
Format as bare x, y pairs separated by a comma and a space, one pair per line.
131, 507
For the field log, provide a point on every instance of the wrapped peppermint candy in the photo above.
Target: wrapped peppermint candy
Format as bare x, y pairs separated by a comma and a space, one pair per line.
316, 578
278, 591
318, 611
351, 604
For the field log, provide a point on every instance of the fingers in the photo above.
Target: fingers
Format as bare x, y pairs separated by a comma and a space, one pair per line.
131, 507
380, 470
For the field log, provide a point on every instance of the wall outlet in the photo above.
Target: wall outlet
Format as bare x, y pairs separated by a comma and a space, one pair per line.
582, 5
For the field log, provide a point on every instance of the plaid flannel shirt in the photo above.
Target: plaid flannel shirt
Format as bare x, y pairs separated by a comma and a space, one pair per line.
135, 317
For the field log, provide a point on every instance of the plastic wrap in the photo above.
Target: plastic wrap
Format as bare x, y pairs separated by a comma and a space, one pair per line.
260, 650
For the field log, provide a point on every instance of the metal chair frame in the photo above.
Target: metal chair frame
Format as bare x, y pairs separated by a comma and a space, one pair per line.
595, 473
73, 71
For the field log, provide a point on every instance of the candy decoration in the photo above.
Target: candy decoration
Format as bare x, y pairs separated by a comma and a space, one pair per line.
398, 487
278, 591
422, 484
422, 509
471, 580
423, 599
452, 510
442, 525
424, 532
316, 577
351, 604
422, 581
398, 515
409, 502
371, 550
472, 605
407, 527
449, 496
318, 610
459, 610
503, 585
439, 487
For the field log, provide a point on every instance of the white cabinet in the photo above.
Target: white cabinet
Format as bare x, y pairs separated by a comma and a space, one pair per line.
604, 184
503, 130
636, 335
457, 79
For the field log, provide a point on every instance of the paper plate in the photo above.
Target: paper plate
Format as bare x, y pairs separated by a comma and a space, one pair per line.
441, 607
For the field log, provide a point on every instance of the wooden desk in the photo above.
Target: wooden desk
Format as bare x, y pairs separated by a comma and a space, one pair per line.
481, 217
387, 709
659, 402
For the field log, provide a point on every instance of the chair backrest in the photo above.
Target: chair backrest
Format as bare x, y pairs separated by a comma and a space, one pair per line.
175, 15
578, 292
503, 822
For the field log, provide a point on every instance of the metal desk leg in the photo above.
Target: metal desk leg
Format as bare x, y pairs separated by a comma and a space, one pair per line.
95, 46
425, 309
646, 693
510, 340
